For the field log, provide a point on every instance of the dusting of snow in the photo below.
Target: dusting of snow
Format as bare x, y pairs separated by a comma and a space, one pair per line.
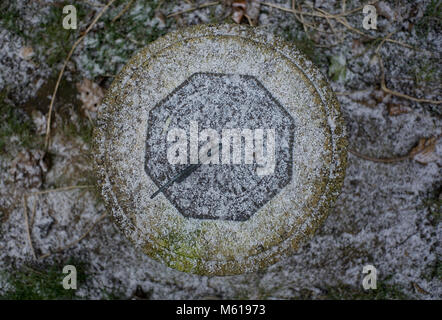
280, 225
381, 217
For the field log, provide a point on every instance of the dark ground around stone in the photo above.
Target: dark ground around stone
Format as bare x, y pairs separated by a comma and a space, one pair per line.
388, 214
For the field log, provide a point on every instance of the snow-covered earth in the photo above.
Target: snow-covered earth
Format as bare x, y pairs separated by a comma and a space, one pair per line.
387, 215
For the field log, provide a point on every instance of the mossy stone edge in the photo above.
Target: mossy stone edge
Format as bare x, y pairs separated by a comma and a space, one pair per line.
334, 179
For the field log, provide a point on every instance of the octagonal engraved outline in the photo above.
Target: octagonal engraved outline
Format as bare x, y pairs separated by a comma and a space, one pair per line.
272, 99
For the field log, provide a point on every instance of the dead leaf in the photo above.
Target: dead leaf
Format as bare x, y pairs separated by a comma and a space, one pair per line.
424, 152
91, 95
26, 53
239, 9
419, 289
397, 109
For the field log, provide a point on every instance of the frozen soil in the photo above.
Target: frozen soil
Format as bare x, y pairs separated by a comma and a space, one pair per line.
388, 214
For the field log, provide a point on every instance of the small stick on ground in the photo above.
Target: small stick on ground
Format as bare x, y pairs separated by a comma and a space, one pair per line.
60, 75
342, 14
382, 160
333, 29
420, 148
341, 39
249, 20
123, 11
61, 189
340, 17
398, 94
345, 23
293, 9
28, 230
73, 243
383, 41
34, 209
302, 21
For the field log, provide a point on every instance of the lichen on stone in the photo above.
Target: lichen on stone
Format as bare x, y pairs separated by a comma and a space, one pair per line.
220, 247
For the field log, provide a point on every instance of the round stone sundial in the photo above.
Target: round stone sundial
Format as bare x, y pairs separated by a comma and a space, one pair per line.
219, 149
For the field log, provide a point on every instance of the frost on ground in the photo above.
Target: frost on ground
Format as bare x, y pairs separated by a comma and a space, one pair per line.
388, 213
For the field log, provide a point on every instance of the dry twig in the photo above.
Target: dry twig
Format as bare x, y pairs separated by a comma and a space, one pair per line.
423, 147
34, 210
383, 41
28, 230
61, 189
126, 7
382, 160
60, 75
398, 94
340, 18
312, 14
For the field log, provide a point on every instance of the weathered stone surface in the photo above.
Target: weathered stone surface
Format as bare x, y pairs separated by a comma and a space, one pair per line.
308, 174
222, 101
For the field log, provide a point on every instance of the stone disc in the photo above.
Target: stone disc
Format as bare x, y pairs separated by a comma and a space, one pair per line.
245, 209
